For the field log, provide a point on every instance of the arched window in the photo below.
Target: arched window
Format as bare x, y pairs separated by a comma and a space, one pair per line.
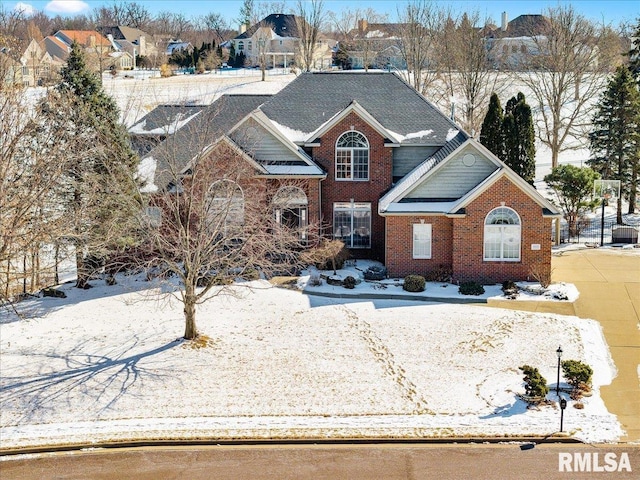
352, 157
224, 208
502, 235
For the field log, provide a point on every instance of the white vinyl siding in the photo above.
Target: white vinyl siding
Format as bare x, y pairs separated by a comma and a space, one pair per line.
421, 240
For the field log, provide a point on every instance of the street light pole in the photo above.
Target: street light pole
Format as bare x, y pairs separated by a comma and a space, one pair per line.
559, 353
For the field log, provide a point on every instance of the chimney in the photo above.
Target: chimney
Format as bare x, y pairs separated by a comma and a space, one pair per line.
92, 41
362, 25
243, 28
505, 22
142, 44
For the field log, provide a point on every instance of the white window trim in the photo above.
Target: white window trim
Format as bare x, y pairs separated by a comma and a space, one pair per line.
352, 207
426, 228
500, 228
351, 150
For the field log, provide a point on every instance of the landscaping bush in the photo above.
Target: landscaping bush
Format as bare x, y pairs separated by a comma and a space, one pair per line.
471, 288
349, 282
510, 289
250, 273
577, 374
535, 384
441, 273
375, 272
414, 283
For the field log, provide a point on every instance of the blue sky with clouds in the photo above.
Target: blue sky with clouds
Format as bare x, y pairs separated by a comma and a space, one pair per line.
609, 11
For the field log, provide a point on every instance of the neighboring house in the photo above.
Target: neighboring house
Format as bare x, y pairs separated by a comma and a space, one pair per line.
514, 40
96, 47
177, 45
376, 44
10, 69
276, 38
159, 124
121, 61
131, 40
38, 67
381, 168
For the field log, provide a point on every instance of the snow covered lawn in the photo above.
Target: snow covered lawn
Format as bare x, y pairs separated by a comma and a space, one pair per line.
108, 364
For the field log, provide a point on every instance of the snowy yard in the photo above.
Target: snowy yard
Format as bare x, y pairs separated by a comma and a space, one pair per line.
105, 364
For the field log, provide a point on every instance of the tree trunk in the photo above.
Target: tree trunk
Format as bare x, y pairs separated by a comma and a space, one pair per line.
81, 270
190, 331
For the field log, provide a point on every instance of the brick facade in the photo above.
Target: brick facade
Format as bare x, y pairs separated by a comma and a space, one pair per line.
459, 242
370, 191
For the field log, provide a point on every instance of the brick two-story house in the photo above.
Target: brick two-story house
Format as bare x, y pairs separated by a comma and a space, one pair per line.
383, 170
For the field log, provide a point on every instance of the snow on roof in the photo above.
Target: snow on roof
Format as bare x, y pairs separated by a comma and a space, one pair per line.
146, 174
421, 207
179, 122
422, 133
295, 136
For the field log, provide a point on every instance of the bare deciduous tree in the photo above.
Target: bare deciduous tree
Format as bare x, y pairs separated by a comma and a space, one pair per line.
419, 27
309, 18
216, 221
463, 57
565, 70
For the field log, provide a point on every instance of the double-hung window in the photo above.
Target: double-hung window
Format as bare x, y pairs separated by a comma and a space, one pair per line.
352, 157
422, 240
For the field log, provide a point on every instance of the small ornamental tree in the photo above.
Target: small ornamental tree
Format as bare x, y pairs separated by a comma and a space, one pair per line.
573, 187
577, 374
535, 384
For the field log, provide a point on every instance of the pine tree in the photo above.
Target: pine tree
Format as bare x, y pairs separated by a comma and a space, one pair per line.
615, 139
491, 135
634, 53
101, 178
519, 138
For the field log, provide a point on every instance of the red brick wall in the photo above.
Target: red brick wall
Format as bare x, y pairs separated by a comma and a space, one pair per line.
458, 243
399, 256
468, 233
380, 178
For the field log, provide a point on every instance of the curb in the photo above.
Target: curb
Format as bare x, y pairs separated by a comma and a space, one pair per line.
306, 441
371, 296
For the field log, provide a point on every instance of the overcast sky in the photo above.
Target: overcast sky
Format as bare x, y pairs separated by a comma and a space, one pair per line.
609, 11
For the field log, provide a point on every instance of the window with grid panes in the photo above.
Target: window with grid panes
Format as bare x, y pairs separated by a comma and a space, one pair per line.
352, 157
502, 235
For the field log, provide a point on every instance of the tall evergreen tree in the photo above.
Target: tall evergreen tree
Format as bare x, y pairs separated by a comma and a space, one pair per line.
101, 177
615, 139
491, 135
634, 53
519, 138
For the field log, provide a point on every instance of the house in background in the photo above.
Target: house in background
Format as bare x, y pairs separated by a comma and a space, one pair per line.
513, 40
38, 67
381, 168
376, 44
131, 40
276, 38
96, 47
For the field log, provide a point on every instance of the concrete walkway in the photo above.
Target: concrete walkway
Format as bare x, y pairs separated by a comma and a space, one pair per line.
609, 284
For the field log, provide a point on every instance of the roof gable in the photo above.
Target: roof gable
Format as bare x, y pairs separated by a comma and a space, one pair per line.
485, 169
282, 25
395, 105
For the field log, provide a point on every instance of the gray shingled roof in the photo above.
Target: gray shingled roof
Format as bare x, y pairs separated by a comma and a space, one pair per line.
283, 25
212, 122
314, 98
164, 119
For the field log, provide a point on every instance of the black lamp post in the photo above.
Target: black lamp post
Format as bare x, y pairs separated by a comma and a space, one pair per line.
559, 353
563, 405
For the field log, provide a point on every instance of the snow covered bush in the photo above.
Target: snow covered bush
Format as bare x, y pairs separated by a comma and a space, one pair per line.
471, 288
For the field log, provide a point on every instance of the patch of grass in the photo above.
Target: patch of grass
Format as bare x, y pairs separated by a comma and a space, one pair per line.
201, 341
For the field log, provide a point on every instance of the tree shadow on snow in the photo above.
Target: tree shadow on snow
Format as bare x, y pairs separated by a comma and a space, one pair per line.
508, 410
99, 378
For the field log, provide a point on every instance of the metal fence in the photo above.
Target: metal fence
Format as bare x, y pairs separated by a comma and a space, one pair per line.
590, 231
